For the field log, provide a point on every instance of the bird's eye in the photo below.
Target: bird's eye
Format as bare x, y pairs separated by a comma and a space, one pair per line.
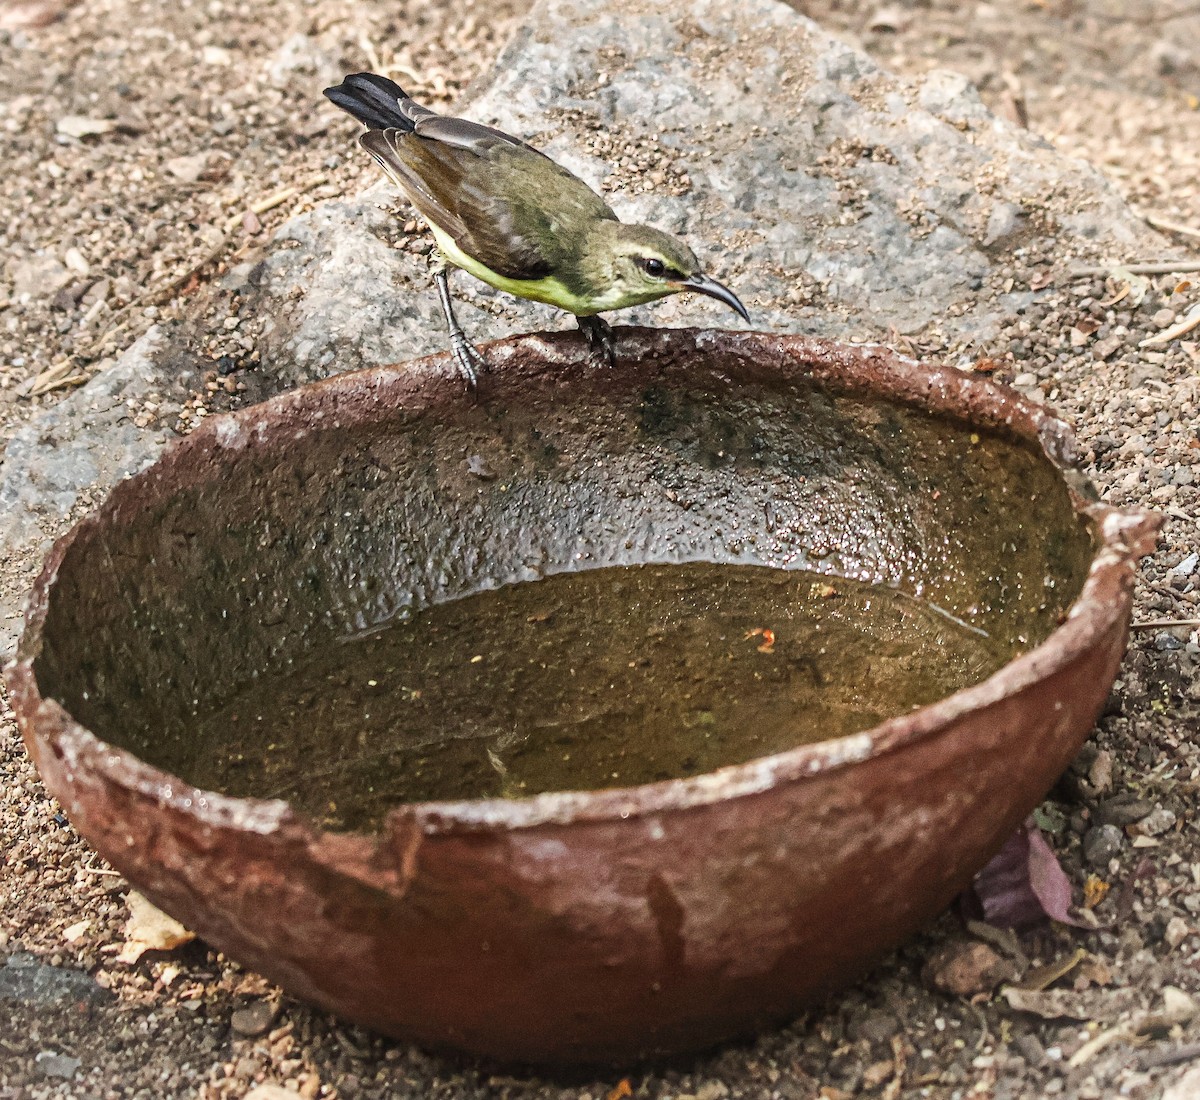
654, 267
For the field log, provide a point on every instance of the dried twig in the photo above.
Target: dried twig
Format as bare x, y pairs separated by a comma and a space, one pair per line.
56, 377
269, 202
1162, 17
1089, 1050
1190, 320
1163, 624
1165, 268
1172, 227
899, 1064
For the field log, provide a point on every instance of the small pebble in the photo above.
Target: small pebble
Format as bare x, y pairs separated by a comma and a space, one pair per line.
1177, 931
1186, 1087
1122, 811
1102, 843
57, 1065
1157, 822
255, 1018
1178, 1006
877, 1027
1100, 774
1030, 1048
965, 968
1188, 566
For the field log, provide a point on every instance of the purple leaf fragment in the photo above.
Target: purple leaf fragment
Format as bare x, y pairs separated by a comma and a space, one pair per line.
1024, 884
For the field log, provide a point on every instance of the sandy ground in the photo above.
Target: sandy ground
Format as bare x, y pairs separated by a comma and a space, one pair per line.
147, 145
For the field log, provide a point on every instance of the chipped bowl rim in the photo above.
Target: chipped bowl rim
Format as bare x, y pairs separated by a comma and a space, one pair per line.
1121, 536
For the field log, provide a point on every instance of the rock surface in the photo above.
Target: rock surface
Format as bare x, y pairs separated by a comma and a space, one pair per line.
28, 980
835, 198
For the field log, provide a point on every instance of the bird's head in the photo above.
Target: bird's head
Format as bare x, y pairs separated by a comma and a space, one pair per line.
632, 264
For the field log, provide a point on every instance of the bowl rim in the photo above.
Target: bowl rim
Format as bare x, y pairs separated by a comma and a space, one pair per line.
1121, 536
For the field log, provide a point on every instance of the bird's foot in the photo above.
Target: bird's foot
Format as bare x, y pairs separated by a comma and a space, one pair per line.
468, 358
601, 339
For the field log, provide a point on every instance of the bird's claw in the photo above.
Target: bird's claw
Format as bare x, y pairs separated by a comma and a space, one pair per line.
601, 339
467, 358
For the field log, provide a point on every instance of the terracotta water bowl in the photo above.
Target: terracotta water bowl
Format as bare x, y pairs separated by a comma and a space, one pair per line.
578, 925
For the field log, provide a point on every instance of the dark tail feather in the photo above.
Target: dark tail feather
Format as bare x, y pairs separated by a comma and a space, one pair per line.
373, 100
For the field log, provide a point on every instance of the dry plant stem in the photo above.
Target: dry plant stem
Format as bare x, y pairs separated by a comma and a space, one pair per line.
1190, 321
1094, 1046
1172, 227
269, 202
1165, 17
1164, 268
1163, 624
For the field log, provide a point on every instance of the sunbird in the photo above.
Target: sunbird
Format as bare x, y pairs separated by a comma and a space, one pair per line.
512, 217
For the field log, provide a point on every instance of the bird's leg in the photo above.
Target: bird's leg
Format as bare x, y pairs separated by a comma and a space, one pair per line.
599, 335
466, 356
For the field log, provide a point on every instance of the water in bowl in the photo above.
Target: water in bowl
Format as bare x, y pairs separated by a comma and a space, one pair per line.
603, 678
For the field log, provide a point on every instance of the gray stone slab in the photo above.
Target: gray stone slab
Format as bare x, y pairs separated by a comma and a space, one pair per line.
835, 198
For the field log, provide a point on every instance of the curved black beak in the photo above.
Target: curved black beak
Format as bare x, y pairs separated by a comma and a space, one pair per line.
703, 284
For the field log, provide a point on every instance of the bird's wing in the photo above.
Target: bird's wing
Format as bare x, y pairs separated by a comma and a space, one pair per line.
472, 182
461, 133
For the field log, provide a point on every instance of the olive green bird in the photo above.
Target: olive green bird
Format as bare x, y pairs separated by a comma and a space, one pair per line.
510, 216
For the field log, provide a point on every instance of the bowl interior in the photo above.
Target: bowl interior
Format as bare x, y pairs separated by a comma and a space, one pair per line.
265, 544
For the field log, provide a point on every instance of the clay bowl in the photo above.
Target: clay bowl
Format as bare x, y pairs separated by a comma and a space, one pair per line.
593, 925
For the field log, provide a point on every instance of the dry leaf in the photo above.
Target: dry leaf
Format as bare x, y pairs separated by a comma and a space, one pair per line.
1139, 286
1065, 1004
622, 1090
1120, 294
149, 929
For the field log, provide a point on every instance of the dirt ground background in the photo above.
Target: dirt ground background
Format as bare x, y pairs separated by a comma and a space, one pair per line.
146, 146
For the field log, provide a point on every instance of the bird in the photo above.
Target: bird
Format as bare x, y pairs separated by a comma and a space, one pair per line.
509, 215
